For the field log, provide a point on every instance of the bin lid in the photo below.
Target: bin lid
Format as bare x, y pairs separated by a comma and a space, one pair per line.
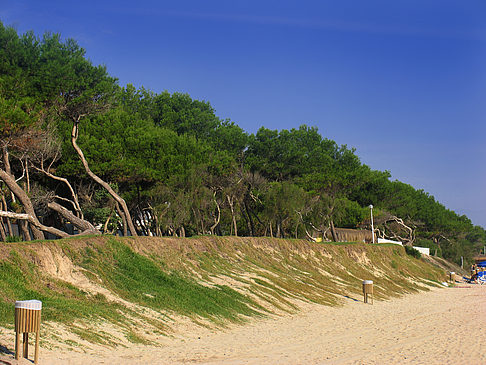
367, 281
29, 304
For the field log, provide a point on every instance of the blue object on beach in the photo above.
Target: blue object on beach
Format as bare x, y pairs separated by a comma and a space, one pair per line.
481, 277
482, 264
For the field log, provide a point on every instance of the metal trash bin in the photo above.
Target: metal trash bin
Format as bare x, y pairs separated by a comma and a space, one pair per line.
27, 319
368, 290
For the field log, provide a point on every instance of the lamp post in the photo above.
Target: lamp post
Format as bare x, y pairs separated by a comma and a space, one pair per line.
372, 228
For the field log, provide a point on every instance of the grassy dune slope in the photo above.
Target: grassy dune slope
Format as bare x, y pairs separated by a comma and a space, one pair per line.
143, 285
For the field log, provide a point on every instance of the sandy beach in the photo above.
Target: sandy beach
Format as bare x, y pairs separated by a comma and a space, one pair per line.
442, 326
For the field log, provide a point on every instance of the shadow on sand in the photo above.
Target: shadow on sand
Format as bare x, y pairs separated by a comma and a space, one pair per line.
347, 296
5, 351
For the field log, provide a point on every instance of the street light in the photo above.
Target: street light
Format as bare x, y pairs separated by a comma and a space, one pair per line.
372, 228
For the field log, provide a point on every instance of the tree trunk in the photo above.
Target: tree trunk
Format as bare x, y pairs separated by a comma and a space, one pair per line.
27, 175
233, 215
216, 220
105, 227
158, 231
9, 224
124, 219
25, 200
24, 227
118, 199
8, 170
83, 225
35, 222
333, 232
6, 160
3, 235
250, 220
245, 217
235, 225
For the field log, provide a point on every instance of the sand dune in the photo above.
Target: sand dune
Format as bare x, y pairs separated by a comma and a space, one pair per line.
443, 326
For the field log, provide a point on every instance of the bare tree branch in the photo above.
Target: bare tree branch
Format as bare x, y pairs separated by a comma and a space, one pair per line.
35, 222
68, 184
216, 220
120, 200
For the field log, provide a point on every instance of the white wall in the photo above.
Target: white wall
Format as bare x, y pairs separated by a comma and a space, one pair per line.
382, 240
423, 250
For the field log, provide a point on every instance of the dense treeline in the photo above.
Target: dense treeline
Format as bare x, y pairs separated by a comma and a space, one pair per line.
79, 149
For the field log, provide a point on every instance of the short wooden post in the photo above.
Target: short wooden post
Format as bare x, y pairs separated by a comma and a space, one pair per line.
452, 277
26, 345
368, 290
27, 319
36, 354
17, 345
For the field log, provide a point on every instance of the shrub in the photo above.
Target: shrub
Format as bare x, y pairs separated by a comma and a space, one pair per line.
10, 239
413, 252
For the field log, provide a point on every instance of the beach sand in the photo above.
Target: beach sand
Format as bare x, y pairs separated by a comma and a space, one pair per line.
442, 326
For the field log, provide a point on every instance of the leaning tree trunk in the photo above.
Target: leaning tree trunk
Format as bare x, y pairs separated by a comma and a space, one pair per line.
119, 199
83, 225
333, 232
24, 227
25, 200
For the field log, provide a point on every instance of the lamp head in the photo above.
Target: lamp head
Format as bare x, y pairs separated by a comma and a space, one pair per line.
371, 206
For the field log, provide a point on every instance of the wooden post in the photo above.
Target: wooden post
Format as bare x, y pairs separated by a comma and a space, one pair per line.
367, 290
36, 355
26, 345
17, 345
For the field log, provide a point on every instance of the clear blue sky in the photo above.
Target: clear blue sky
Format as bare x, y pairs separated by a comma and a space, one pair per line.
404, 82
